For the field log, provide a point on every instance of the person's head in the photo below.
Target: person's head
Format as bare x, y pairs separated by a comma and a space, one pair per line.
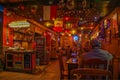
95, 43
87, 46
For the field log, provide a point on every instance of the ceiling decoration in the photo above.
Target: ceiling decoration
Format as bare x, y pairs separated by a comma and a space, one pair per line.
79, 13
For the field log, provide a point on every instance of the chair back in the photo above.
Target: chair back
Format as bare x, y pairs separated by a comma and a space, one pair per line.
90, 74
95, 63
94, 67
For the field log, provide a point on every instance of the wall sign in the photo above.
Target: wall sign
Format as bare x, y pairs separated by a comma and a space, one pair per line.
19, 24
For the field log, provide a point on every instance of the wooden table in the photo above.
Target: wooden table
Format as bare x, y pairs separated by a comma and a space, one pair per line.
72, 64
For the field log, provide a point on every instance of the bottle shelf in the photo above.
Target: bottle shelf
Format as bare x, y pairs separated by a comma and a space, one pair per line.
20, 61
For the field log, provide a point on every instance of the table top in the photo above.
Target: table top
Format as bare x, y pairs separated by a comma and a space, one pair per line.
72, 61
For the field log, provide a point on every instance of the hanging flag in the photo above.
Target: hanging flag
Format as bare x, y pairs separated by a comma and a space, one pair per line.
53, 12
49, 12
46, 12
84, 3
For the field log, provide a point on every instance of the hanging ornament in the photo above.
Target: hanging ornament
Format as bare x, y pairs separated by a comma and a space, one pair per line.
70, 4
50, 2
21, 7
41, 19
34, 8
84, 3
61, 4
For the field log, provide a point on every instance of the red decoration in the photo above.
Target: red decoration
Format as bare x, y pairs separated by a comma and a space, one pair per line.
67, 31
33, 10
57, 29
53, 12
45, 34
21, 7
66, 18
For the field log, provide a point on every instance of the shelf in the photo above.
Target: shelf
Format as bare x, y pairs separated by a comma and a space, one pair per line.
22, 41
9, 60
20, 61
23, 33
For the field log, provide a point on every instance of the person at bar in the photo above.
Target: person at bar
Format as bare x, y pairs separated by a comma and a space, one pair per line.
96, 52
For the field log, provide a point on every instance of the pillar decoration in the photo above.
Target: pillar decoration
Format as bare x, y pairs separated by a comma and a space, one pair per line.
7, 35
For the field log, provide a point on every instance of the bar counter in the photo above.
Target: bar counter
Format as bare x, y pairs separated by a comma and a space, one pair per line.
20, 60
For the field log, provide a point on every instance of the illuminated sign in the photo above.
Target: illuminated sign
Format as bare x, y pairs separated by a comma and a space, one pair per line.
19, 24
58, 23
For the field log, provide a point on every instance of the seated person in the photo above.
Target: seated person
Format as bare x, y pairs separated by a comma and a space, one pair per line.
86, 46
96, 52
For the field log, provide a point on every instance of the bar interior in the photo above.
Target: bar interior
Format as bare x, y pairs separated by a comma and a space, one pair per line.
60, 39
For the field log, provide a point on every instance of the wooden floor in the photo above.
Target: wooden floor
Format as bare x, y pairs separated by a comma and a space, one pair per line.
51, 72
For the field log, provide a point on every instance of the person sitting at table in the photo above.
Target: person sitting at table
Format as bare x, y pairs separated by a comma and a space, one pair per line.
68, 52
96, 52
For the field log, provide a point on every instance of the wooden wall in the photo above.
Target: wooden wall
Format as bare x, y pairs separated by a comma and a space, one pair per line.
1, 34
111, 42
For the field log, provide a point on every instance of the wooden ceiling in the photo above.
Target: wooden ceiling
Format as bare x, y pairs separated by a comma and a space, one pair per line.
93, 13
100, 4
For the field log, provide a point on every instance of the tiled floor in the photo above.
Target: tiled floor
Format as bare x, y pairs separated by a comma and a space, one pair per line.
51, 72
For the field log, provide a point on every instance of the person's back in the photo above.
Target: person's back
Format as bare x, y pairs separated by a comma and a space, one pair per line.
97, 52
95, 58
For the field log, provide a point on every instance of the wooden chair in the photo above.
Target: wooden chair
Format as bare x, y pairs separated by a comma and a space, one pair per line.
95, 63
90, 74
63, 72
94, 67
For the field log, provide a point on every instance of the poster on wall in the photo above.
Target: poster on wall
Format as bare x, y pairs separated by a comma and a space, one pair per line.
40, 50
